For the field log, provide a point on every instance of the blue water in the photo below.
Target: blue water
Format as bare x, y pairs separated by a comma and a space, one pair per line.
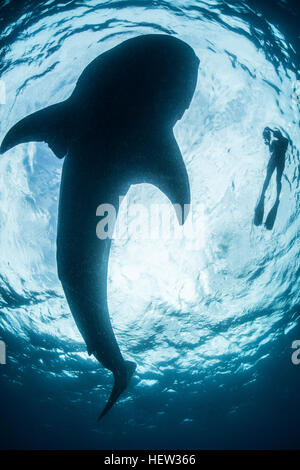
210, 322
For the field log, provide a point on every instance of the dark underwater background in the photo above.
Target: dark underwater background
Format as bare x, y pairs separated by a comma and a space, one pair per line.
210, 322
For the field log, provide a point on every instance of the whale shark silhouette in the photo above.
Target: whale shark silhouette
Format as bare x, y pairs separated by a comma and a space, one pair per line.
116, 129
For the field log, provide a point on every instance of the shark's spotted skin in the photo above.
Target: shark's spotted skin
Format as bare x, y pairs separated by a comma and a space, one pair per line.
116, 129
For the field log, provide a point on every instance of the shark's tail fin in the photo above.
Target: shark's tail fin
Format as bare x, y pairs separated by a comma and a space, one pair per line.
121, 381
48, 125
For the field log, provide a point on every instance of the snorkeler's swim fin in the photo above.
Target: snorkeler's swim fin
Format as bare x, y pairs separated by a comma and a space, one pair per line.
270, 220
121, 381
259, 213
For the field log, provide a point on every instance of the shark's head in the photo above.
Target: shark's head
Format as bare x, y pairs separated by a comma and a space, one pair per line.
149, 78
167, 77
134, 94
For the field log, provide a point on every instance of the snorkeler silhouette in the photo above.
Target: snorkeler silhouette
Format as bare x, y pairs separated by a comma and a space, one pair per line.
116, 129
278, 145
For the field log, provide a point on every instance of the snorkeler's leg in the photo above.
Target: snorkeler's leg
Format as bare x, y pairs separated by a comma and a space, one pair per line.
278, 181
259, 210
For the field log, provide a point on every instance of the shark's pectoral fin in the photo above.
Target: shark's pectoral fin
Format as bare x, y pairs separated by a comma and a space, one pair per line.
47, 125
169, 174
